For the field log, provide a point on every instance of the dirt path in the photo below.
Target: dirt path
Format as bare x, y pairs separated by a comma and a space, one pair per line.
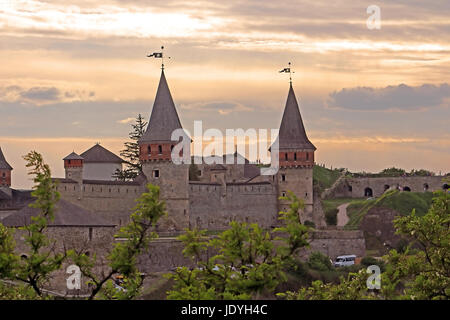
342, 217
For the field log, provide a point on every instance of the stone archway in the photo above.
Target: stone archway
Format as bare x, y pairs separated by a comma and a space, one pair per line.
426, 187
445, 186
386, 187
368, 192
406, 188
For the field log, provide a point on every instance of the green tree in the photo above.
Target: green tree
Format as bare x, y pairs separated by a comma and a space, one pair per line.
131, 152
42, 260
122, 260
393, 172
420, 273
249, 260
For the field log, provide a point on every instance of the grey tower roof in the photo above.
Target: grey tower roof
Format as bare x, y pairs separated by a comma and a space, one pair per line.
3, 163
73, 156
292, 133
100, 154
164, 118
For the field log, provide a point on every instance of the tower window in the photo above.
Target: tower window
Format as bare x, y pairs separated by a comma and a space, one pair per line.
283, 193
283, 177
171, 148
149, 149
160, 149
307, 156
295, 156
285, 156
3, 175
155, 173
90, 234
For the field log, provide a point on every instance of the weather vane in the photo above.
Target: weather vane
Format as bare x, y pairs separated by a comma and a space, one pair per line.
288, 70
159, 55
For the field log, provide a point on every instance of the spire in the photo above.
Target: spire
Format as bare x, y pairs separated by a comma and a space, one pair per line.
164, 118
3, 163
292, 132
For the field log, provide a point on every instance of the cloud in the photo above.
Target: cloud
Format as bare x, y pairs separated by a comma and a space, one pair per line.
222, 107
126, 120
41, 94
391, 98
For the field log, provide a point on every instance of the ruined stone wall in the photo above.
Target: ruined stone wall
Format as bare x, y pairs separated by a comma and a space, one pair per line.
213, 206
356, 187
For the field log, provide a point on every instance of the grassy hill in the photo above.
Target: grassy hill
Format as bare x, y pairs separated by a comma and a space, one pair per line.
324, 178
402, 202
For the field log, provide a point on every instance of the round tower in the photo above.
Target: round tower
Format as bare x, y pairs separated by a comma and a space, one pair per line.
5, 171
155, 149
296, 158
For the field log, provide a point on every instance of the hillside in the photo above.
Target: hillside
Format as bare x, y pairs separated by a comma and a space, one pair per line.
401, 202
324, 178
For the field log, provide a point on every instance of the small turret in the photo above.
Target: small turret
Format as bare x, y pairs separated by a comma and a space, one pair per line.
73, 165
5, 171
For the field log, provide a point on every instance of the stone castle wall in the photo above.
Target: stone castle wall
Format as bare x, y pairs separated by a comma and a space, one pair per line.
357, 187
213, 206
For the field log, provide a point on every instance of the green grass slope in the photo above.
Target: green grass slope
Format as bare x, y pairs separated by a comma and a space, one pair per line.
402, 202
324, 178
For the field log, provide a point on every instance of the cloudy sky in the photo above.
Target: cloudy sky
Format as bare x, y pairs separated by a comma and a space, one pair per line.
75, 74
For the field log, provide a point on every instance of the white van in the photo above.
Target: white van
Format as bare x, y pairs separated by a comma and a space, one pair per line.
346, 260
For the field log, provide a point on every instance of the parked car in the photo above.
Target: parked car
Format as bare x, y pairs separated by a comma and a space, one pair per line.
346, 260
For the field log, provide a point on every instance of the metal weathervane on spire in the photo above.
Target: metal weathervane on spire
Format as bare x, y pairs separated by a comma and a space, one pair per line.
288, 70
159, 55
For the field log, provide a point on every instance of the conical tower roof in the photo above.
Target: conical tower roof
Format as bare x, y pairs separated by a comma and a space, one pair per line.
3, 163
73, 156
164, 119
292, 133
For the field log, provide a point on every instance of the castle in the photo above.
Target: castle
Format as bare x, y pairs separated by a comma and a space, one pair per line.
220, 193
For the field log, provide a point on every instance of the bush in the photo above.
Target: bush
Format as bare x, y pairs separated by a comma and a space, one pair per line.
309, 223
319, 262
368, 261
331, 216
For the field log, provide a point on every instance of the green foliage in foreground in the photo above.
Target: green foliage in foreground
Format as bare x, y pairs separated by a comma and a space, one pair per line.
249, 260
123, 257
414, 274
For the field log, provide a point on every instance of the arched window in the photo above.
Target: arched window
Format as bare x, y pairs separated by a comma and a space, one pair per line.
406, 188
425, 187
368, 192
386, 186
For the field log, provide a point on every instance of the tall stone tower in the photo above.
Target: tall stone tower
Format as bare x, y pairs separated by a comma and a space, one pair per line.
155, 155
296, 158
5, 173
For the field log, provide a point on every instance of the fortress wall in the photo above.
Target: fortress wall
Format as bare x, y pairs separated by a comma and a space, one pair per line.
335, 243
214, 206
112, 202
358, 185
98, 241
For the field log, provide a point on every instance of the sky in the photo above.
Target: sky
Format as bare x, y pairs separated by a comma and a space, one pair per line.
74, 73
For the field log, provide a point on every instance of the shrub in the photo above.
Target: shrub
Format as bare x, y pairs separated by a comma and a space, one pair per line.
331, 216
319, 262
